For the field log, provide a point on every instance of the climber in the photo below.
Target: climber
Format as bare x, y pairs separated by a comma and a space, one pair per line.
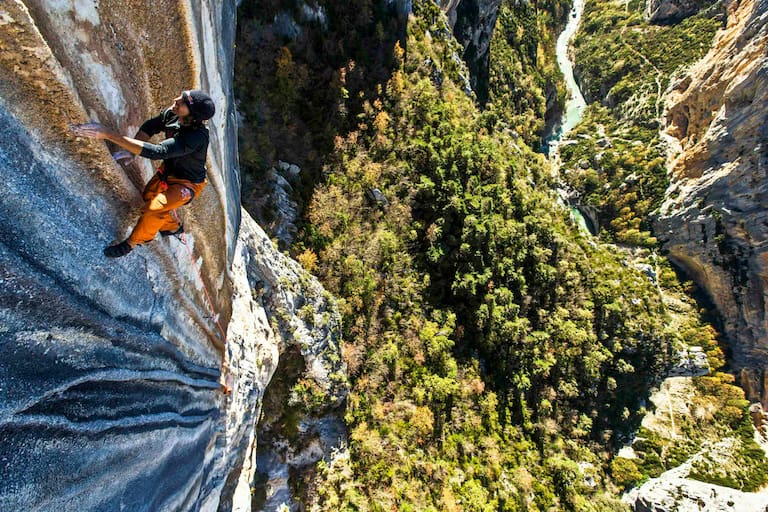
181, 176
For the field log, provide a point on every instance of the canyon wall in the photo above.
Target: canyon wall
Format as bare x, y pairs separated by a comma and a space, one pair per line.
714, 222
110, 369
472, 22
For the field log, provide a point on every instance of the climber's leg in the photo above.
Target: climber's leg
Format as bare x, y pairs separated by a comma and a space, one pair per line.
152, 188
156, 214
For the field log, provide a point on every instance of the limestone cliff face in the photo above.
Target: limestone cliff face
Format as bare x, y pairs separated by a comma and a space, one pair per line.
473, 22
715, 219
109, 376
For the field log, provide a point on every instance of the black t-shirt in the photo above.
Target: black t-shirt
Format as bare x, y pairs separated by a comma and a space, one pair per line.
184, 150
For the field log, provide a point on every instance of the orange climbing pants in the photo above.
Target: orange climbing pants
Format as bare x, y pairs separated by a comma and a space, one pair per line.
159, 201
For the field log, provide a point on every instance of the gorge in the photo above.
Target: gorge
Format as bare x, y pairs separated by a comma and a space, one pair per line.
421, 327
573, 111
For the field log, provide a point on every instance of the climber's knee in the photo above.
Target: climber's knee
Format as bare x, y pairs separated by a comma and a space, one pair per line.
158, 202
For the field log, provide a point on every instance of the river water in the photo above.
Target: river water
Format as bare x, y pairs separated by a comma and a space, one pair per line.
574, 107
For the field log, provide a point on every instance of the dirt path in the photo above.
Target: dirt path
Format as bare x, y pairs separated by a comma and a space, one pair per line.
657, 78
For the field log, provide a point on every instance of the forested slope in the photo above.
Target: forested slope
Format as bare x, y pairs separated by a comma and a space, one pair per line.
498, 356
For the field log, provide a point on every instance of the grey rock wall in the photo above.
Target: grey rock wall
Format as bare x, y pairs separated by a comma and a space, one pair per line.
670, 11
473, 22
110, 370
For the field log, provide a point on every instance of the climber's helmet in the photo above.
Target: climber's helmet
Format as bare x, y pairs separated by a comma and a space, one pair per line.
200, 105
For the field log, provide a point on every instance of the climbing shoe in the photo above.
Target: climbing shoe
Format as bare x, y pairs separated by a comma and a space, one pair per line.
171, 233
118, 250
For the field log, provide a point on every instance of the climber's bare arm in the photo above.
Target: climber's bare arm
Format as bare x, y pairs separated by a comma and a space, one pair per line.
173, 147
99, 131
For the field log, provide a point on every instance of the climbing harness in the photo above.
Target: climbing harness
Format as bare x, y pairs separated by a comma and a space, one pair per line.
225, 382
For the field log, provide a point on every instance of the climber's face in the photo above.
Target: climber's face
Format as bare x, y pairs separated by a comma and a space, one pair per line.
180, 107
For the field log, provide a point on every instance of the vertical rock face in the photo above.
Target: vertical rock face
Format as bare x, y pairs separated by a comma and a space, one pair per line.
109, 377
298, 425
715, 219
274, 291
473, 22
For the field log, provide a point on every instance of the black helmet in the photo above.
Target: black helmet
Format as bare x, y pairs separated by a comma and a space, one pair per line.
200, 105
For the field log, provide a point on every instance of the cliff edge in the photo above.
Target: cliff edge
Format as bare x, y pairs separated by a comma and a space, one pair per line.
714, 222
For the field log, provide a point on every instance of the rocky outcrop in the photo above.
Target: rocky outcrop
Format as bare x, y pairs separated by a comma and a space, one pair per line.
472, 22
672, 11
714, 222
450, 7
110, 368
689, 361
760, 421
307, 325
275, 201
301, 312
672, 405
671, 491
